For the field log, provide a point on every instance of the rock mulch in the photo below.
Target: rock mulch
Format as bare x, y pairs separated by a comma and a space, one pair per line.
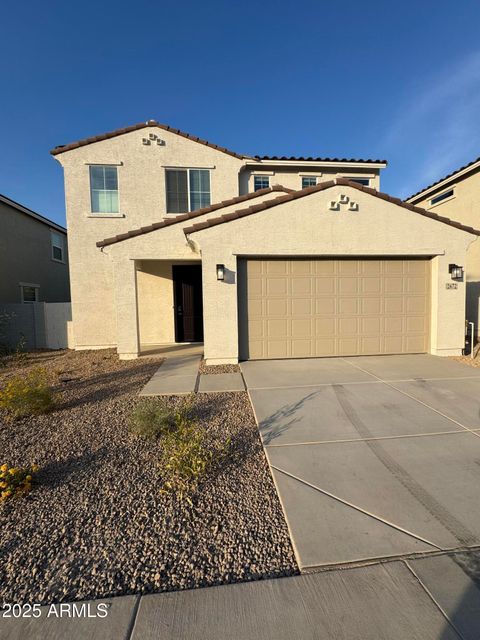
205, 369
96, 525
471, 362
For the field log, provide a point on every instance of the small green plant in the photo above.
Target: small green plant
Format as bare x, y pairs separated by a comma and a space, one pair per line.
187, 452
21, 355
15, 481
149, 419
27, 394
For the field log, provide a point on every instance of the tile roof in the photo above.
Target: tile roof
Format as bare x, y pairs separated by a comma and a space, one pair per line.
315, 159
235, 215
450, 175
135, 127
153, 123
191, 215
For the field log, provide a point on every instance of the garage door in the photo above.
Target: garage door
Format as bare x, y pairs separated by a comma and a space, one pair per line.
309, 308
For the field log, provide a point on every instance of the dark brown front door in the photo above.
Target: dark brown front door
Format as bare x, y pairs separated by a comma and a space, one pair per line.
187, 288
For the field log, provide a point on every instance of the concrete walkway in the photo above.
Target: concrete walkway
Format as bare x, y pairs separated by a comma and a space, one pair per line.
372, 457
179, 374
434, 598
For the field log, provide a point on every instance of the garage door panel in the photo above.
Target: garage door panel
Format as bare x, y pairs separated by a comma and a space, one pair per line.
309, 308
348, 306
301, 286
276, 307
370, 306
302, 307
325, 306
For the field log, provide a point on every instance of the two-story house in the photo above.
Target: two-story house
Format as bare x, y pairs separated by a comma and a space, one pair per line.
175, 239
457, 196
33, 256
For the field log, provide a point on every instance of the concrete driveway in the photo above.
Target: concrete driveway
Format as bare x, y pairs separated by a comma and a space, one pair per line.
373, 457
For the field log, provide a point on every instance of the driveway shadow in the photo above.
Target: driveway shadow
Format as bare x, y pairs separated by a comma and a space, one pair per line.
269, 428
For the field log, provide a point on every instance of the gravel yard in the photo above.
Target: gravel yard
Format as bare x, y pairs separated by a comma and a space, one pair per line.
471, 362
205, 369
96, 525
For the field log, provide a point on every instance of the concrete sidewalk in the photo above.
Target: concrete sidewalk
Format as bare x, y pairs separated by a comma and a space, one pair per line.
434, 598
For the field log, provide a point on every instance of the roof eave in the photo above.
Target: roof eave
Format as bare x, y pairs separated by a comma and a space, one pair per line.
444, 182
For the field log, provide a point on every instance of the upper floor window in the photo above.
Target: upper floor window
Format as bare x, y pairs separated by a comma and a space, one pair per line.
187, 189
58, 248
260, 182
364, 181
442, 196
103, 189
308, 181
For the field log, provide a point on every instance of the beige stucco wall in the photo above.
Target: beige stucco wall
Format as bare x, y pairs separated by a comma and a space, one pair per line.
307, 227
148, 310
291, 177
464, 207
141, 179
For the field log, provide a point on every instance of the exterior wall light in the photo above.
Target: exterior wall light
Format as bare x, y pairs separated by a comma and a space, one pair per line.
220, 272
456, 272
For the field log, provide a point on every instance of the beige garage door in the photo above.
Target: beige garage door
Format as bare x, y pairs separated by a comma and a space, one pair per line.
308, 308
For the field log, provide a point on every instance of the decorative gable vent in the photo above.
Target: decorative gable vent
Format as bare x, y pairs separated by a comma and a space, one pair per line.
335, 205
153, 138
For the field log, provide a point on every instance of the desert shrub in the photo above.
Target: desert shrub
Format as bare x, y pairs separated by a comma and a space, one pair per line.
150, 419
15, 481
187, 453
27, 394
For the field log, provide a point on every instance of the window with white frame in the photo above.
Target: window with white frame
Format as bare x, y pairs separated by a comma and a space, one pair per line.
442, 196
358, 180
29, 292
261, 182
58, 249
103, 189
187, 189
308, 181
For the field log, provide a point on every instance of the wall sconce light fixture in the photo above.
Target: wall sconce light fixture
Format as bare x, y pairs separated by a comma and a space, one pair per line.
220, 272
456, 272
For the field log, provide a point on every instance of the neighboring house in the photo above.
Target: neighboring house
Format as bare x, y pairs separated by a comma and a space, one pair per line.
33, 256
174, 239
457, 196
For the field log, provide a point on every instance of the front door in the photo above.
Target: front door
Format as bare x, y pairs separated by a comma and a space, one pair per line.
187, 291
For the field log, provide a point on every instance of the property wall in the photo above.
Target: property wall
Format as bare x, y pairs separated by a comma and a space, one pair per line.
464, 207
42, 325
141, 177
291, 177
307, 227
26, 256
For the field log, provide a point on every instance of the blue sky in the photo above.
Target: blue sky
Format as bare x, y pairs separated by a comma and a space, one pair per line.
380, 79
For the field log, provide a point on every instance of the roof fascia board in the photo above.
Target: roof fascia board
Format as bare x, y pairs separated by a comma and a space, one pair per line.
315, 163
444, 183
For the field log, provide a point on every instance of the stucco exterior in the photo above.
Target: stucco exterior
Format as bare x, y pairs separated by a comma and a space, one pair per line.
307, 227
26, 256
302, 227
142, 201
464, 206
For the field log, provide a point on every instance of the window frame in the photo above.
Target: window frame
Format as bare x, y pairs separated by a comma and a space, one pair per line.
104, 166
362, 180
189, 198
261, 177
53, 246
442, 197
309, 178
30, 285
